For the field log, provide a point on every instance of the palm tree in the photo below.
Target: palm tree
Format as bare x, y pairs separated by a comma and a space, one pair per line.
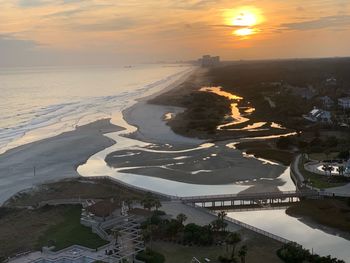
341, 170
221, 215
233, 239
181, 218
221, 219
242, 252
157, 204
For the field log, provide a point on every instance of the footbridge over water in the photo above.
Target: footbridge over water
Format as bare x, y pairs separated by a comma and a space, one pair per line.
250, 199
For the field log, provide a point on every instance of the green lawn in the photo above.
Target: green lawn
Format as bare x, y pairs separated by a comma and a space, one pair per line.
70, 232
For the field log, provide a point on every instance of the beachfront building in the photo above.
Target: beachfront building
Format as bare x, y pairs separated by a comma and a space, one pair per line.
208, 61
344, 102
318, 115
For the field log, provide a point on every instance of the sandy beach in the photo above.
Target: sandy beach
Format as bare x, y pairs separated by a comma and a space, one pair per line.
54, 159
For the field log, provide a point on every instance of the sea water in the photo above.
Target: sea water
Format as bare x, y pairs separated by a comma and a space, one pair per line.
38, 103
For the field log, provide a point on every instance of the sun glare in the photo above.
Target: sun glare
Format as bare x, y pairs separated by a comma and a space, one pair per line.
244, 19
244, 31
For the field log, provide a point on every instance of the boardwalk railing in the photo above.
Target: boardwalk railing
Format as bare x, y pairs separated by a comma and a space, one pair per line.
247, 226
248, 196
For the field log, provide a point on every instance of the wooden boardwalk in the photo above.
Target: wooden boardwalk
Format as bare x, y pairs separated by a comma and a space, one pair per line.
250, 198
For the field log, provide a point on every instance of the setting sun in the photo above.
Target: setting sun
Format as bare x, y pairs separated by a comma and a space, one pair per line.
245, 19
244, 31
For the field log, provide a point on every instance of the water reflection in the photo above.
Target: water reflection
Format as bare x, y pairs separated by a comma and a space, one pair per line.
236, 115
279, 223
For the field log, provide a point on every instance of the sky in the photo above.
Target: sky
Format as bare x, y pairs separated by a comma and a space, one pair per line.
55, 32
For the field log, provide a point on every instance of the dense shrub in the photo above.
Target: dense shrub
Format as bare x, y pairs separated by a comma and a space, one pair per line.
294, 253
150, 256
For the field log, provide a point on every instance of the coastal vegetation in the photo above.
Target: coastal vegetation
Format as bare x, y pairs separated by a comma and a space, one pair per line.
263, 149
214, 241
73, 189
330, 212
150, 256
294, 253
205, 111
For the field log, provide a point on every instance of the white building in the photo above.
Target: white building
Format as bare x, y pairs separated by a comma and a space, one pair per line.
318, 115
344, 102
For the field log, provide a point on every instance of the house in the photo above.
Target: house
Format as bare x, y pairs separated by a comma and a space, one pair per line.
344, 102
327, 102
318, 115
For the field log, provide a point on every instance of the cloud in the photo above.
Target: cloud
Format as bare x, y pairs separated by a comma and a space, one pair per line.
193, 4
340, 22
8, 43
32, 3
116, 24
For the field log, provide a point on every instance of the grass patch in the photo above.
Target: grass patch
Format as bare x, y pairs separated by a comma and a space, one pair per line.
75, 188
175, 253
258, 247
329, 212
265, 150
21, 228
70, 232
323, 156
283, 157
321, 181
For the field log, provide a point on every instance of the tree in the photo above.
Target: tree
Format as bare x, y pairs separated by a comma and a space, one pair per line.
341, 170
221, 220
242, 253
147, 234
181, 218
149, 202
157, 204
233, 239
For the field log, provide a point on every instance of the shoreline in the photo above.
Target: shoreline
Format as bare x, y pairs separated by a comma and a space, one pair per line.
55, 158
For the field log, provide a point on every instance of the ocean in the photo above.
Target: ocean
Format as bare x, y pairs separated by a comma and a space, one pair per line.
38, 103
